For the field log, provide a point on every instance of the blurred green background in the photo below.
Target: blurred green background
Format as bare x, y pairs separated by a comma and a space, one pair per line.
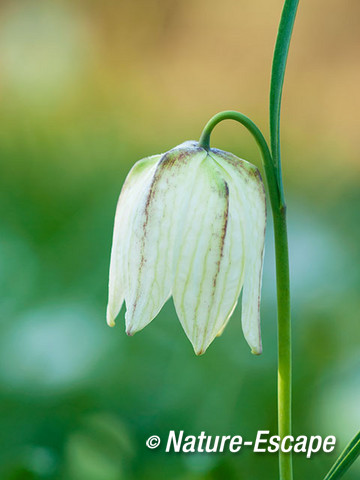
89, 87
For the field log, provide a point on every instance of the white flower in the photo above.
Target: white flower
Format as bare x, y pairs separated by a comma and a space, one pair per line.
190, 223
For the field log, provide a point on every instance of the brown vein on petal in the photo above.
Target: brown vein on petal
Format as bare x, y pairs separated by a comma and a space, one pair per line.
242, 269
223, 233
218, 263
166, 163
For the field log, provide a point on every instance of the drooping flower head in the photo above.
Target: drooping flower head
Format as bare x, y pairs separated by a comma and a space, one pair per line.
190, 223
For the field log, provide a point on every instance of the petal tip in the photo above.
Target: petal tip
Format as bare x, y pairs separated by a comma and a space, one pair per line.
110, 318
130, 331
256, 350
200, 349
199, 352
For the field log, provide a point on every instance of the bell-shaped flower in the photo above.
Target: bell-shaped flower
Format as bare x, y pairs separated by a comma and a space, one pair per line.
190, 223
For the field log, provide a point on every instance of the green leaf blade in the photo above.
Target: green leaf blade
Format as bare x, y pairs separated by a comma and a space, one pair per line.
345, 460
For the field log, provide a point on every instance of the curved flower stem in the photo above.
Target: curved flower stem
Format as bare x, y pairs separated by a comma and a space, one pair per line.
204, 142
282, 276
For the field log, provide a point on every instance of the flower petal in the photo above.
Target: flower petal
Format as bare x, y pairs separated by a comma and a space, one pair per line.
210, 261
153, 234
138, 178
246, 180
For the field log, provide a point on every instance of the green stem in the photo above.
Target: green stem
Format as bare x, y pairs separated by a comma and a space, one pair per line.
204, 142
284, 337
282, 276
277, 80
280, 232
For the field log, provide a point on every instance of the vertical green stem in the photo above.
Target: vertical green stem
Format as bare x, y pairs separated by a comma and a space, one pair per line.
277, 81
284, 338
280, 232
352, 451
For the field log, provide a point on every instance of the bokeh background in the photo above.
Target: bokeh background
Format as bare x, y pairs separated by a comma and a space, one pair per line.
89, 87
